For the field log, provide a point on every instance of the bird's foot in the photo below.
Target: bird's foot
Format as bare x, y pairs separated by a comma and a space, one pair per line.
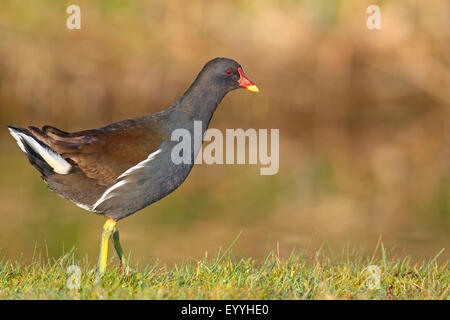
124, 270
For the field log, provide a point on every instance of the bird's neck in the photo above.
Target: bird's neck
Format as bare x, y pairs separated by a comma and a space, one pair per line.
199, 102
193, 112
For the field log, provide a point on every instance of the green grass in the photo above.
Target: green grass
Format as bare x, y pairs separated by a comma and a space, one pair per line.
320, 276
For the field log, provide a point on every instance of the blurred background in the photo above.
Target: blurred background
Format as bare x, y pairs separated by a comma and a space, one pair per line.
363, 116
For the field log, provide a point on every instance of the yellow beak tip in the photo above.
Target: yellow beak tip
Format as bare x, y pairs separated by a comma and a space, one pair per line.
252, 88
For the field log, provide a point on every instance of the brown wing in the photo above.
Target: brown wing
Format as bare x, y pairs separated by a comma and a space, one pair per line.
103, 154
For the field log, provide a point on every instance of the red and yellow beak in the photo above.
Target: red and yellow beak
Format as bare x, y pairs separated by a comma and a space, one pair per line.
245, 83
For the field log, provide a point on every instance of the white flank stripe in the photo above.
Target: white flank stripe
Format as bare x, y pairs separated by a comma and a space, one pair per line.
53, 159
83, 206
140, 165
108, 193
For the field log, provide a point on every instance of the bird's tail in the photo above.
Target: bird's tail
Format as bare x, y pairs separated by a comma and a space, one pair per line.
41, 156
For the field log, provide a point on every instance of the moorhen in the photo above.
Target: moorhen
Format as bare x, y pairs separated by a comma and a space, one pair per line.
125, 166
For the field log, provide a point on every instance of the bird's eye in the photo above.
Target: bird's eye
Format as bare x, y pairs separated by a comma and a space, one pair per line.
229, 72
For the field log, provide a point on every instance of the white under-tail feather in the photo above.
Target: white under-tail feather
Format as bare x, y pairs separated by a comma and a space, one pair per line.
53, 159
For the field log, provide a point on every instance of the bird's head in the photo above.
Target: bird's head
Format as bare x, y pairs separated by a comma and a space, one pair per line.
226, 74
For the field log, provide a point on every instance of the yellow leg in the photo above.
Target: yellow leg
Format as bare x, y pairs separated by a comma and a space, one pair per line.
108, 229
119, 251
